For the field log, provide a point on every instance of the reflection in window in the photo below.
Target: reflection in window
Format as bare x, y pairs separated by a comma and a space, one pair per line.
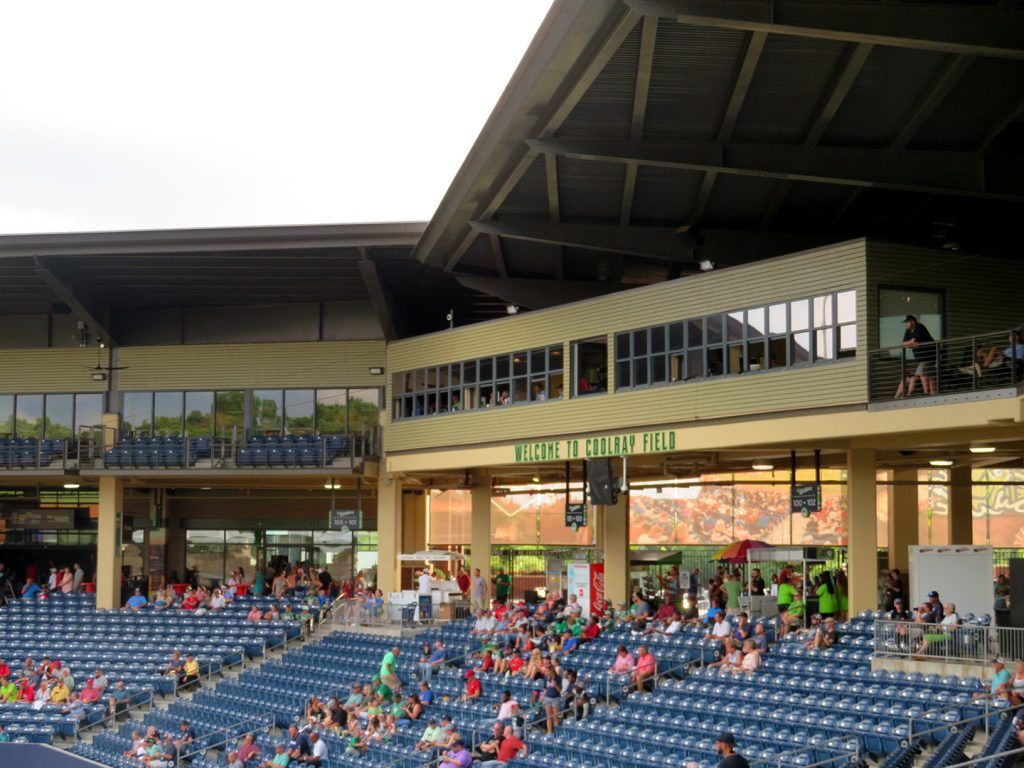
198, 414
88, 412
59, 416
895, 304
137, 411
29, 416
298, 411
266, 409
7, 415
330, 411
229, 412
167, 412
363, 410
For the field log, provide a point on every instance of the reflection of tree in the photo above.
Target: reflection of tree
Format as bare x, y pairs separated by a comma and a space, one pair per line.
362, 415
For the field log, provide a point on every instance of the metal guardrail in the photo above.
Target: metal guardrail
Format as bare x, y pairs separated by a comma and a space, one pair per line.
960, 365
968, 643
133, 705
236, 730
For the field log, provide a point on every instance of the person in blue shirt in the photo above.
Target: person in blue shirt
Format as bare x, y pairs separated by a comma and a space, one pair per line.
996, 357
31, 590
4, 736
434, 661
426, 695
1000, 683
137, 601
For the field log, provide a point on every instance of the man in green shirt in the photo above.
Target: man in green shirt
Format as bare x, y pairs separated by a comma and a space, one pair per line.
502, 586
732, 588
794, 614
786, 592
387, 669
8, 692
431, 735
281, 757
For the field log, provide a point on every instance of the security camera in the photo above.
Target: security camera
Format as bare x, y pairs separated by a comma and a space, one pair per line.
450, 316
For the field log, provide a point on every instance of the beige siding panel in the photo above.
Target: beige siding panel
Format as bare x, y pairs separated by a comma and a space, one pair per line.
980, 295
244, 366
794, 276
841, 383
50, 370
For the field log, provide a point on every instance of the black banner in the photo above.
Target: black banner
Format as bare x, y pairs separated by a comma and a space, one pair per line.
343, 519
575, 516
38, 519
805, 498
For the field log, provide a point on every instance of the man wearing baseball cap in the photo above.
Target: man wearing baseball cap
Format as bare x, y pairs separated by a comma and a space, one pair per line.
1000, 679
725, 746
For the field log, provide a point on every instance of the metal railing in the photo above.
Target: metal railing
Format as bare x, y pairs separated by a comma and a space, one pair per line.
840, 744
967, 643
948, 366
231, 733
134, 704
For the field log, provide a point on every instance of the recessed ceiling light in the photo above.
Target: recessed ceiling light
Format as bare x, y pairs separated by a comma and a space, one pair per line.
71, 486
332, 486
762, 466
206, 488
536, 478
983, 449
941, 462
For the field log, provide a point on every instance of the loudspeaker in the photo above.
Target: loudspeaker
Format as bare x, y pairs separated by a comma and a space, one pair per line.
601, 486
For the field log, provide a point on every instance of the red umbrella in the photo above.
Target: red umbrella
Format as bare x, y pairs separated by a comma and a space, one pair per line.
737, 551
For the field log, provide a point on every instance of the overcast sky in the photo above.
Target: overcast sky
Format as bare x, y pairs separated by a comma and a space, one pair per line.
140, 115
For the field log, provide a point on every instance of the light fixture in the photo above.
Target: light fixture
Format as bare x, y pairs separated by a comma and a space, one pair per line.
99, 376
330, 485
535, 478
762, 466
512, 309
72, 486
706, 265
206, 488
376, 370
983, 449
941, 462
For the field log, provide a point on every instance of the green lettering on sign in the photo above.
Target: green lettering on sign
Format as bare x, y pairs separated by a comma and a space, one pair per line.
607, 446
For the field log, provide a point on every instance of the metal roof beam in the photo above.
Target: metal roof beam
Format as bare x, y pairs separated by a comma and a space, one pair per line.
554, 210
930, 98
659, 243
80, 302
641, 87
380, 299
948, 173
996, 31
744, 76
500, 265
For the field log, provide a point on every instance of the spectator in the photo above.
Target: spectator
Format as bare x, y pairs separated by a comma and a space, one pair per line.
217, 600
457, 756
234, 761
79, 577
934, 611
190, 672
430, 737
786, 594
645, 670
824, 636
720, 630
255, 615
510, 748
793, 617
508, 707
298, 745
120, 698
624, 662
388, 676
828, 601
725, 746
281, 758
551, 699
502, 586
66, 581
949, 622
478, 591
318, 751
248, 751
434, 661
474, 690
732, 657
999, 686
732, 589
751, 657
756, 582
89, 695
922, 350
898, 612
137, 601
997, 357
8, 691
30, 590
4, 736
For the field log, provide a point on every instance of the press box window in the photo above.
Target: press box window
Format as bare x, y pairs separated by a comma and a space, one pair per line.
590, 366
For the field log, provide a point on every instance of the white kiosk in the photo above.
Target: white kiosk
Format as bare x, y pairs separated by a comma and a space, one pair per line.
441, 590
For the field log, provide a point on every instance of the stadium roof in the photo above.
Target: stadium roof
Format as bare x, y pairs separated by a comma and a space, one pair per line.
640, 137
97, 274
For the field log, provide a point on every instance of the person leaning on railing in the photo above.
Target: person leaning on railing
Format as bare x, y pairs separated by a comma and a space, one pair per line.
949, 623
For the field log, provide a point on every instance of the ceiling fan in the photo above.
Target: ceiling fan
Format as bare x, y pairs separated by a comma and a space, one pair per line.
99, 371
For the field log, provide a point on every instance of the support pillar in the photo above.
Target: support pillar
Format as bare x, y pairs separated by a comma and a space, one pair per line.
414, 522
389, 532
480, 528
615, 535
862, 530
903, 511
961, 493
108, 543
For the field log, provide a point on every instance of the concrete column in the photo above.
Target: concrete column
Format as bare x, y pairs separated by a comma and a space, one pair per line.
389, 532
615, 535
414, 522
111, 425
959, 519
862, 527
108, 543
903, 512
480, 529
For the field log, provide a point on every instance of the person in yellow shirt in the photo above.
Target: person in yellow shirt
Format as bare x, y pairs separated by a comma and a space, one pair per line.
59, 693
191, 671
8, 691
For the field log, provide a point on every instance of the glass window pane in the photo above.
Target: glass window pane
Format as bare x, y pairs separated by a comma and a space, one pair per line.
755, 322
486, 370
503, 366
846, 307
591, 371
622, 346
799, 315
229, 412
29, 421
695, 364
895, 304
676, 368
554, 358
734, 326
658, 339
88, 411
847, 337
363, 410
137, 411
298, 411
59, 416
658, 369
714, 325
695, 333
623, 374
715, 361
198, 413
469, 372
266, 409
330, 411
777, 355
640, 372
639, 343
675, 336
538, 361
755, 355
777, 319
822, 311
520, 360
167, 412
824, 344
7, 415
801, 348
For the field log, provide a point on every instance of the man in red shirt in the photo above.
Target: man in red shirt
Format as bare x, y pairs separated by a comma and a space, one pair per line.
511, 747
473, 688
5, 671
592, 630
27, 692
